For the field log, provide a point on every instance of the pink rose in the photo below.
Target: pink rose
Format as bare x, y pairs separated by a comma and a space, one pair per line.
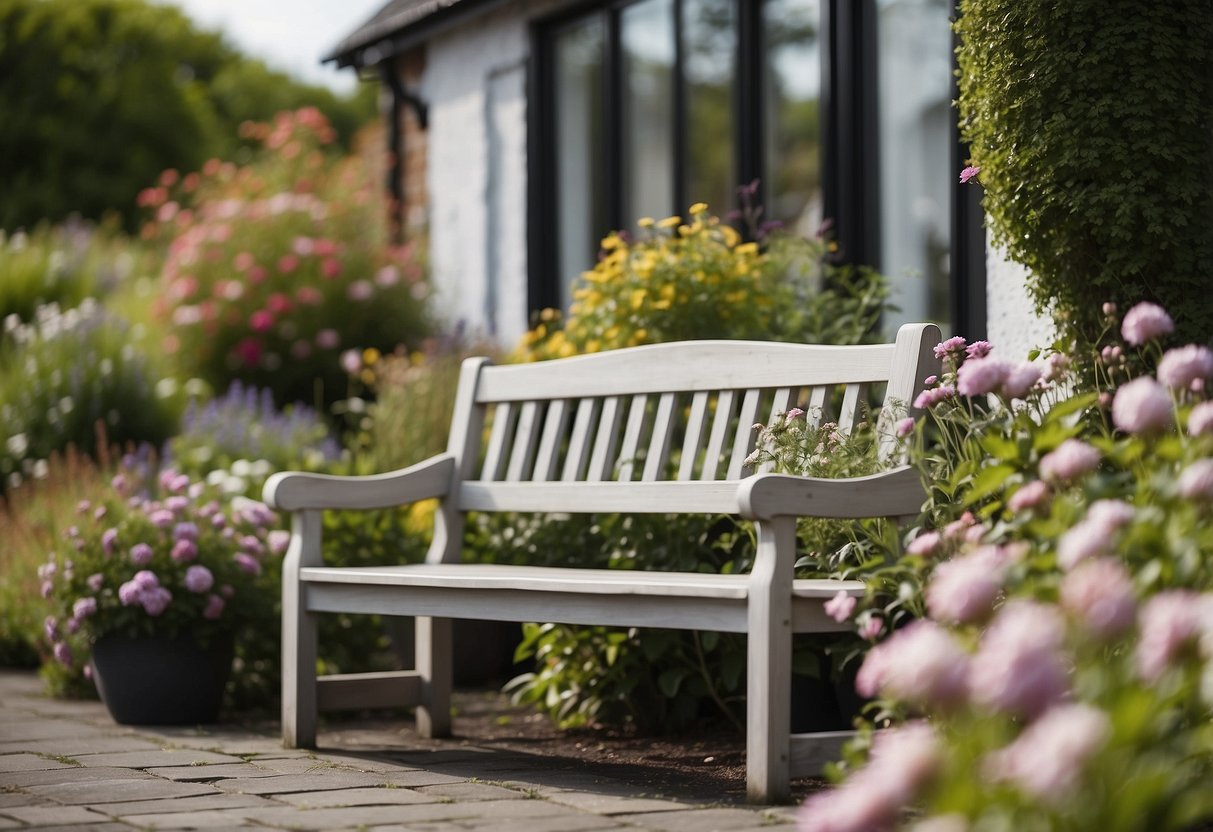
1099, 593
980, 376
1018, 668
1070, 460
1046, 761
1180, 367
1142, 406
1145, 322
840, 606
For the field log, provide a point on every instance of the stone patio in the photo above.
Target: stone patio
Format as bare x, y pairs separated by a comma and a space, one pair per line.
67, 765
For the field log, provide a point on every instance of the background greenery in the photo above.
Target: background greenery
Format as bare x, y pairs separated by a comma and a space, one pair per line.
100, 96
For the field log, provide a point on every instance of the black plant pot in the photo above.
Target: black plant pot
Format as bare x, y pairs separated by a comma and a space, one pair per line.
161, 681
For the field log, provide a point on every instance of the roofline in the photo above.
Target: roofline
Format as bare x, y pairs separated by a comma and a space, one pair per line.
370, 45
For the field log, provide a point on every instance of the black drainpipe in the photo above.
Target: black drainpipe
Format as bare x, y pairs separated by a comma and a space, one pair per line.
395, 141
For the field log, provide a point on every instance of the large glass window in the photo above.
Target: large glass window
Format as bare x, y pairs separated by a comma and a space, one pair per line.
841, 109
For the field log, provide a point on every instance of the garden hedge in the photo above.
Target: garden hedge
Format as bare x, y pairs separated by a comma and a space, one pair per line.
1092, 122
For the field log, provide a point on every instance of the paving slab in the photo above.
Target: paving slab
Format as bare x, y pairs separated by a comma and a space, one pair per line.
10, 823
319, 781
55, 815
81, 746
19, 799
472, 791
29, 762
358, 797
161, 758
610, 804
207, 819
118, 791
211, 771
569, 822
202, 803
68, 774
93, 827
701, 820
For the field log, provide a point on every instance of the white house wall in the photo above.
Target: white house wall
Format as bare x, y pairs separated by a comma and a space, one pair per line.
1013, 326
475, 86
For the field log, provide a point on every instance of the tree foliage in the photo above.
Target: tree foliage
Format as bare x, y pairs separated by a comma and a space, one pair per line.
99, 96
1092, 122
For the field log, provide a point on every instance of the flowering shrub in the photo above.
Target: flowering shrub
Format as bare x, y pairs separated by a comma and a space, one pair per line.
169, 561
699, 279
1059, 670
57, 264
273, 268
244, 435
64, 374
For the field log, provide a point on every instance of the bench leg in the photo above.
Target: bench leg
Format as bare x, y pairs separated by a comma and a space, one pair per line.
434, 664
298, 670
769, 664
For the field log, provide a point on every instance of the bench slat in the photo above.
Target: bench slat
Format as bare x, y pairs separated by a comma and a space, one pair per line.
818, 411
579, 443
746, 437
686, 368
495, 457
696, 423
602, 461
852, 407
555, 423
725, 403
631, 437
526, 437
659, 444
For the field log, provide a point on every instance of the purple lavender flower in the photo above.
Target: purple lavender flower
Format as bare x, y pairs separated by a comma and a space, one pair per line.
50, 628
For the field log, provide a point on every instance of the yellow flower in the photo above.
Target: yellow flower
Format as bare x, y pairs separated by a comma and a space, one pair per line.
747, 248
370, 356
670, 222
731, 237
549, 314
638, 296
698, 208
611, 241
645, 222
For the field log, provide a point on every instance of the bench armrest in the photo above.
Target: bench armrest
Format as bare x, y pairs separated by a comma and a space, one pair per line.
888, 494
294, 490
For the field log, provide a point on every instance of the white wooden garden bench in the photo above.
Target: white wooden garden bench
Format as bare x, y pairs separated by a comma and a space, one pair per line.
655, 429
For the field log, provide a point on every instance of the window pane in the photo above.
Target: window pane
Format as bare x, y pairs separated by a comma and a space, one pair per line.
792, 113
580, 199
710, 45
915, 58
647, 77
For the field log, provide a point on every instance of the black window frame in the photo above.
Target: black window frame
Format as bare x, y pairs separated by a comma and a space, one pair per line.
850, 146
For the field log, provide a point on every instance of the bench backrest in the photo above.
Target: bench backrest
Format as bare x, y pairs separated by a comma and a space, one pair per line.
659, 413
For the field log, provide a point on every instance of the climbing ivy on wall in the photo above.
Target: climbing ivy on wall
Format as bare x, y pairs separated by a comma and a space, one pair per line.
1092, 123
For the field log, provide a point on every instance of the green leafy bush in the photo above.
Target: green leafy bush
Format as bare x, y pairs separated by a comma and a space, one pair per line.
1090, 122
65, 374
275, 267
1058, 677
701, 280
57, 264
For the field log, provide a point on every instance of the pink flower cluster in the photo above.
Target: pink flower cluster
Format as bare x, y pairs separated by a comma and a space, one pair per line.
1070, 460
903, 762
1171, 623
1099, 595
1146, 322
984, 375
963, 590
1095, 534
145, 590
1046, 761
922, 664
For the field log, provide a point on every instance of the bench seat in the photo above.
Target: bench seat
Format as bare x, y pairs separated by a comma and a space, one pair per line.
570, 596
